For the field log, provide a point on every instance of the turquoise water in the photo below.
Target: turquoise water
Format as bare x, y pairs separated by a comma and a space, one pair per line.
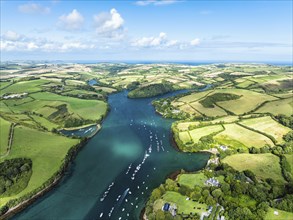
114, 174
81, 132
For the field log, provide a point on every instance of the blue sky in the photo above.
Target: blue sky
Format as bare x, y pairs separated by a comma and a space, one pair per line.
170, 30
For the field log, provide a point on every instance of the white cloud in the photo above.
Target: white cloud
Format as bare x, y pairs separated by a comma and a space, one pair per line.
156, 2
109, 24
31, 8
72, 21
195, 42
11, 36
150, 41
160, 41
172, 43
24, 43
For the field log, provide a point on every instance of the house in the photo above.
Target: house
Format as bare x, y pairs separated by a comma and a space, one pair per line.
166, 207
212, 182
210, 209
223, 147
15, 96
170, 208
175, 111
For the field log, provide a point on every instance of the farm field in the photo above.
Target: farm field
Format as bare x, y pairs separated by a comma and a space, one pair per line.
183, 206
192, 180
80, 106
243, 136
265, 125
262, 165
283, 106
210, 112
46, 150
183, 126
87, 109
24, 86
248, 101
4, 135
44, 122
193, 97
185, 137
198, 133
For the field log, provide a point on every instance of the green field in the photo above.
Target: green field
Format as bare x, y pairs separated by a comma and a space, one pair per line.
189, 109
211, 112
249, 100
4, 135
282, 215
262, 165
193, 97
225, 119
183, 126
48, 103
192, 180
267, 125
46, 150
184, 206
87, 109
245, 84
283, 106
25, 86
198, 133
184, 137
4, 84
44, 122
4, 107
236, 134
15, 102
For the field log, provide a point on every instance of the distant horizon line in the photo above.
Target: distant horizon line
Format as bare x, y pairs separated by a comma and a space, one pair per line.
85, 61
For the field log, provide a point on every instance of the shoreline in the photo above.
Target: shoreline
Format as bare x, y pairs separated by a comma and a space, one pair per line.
173, 175
78, 127
24, 204
72, 153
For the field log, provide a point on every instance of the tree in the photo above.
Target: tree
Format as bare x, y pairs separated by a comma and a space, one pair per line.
217, 193
250, 175
156, 194
226, 188
288, 137
210, 200
160, 215
205, 193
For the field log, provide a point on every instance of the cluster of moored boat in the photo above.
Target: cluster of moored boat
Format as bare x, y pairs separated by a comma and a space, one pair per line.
146, 155
159, 145
106, 192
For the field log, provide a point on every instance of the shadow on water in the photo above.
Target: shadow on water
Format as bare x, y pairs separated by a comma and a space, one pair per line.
114, 174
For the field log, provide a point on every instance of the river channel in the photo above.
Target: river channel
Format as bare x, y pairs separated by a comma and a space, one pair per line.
114, 174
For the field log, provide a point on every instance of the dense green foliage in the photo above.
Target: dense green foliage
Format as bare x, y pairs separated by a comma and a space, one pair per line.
209, 102
240, 194
151, 90
285, 120
14, 175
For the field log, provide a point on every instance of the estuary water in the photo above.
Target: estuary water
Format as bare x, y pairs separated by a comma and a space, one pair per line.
114, 174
